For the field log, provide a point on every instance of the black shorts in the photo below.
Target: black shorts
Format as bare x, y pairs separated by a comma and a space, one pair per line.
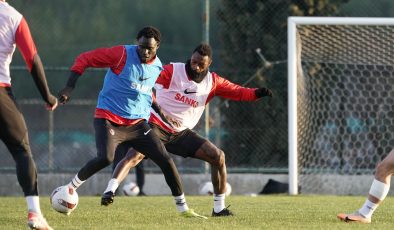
184, 143
113, 141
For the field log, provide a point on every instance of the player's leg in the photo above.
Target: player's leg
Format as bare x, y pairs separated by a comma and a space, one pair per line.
140, 177
189, 144
377, 193
216, 158
107, 137
131, 159
15, 136
122, 168
149, 144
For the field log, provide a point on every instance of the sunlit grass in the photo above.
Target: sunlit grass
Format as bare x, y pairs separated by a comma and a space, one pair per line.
159, 212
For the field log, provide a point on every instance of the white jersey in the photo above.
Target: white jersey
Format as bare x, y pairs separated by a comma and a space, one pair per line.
9, 22
184, 100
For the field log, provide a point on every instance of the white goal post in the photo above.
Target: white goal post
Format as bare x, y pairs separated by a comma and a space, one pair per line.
340, 76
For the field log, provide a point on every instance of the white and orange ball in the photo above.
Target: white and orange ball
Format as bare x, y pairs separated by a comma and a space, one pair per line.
206, 188
64, 199
131, 189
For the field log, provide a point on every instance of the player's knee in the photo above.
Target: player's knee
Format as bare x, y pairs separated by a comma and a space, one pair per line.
166, 164
383, 169
106, 160
222, 158
21, 149
134, 157
219, 158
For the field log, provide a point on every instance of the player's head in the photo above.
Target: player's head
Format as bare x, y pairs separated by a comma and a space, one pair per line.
198, 65
148, 40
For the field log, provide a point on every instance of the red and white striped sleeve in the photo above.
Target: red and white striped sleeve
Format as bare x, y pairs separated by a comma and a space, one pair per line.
25, 43
224, 88
114, 58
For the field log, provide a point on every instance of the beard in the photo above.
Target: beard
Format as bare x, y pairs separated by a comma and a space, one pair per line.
194, 75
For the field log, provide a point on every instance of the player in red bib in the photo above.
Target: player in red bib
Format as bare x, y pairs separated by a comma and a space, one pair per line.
182, 91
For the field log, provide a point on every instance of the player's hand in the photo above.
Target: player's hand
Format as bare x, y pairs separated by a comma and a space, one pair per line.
173, 122
263, 92
52, 103
64, 95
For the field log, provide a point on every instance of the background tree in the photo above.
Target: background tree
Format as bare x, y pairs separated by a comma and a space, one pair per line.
240, 21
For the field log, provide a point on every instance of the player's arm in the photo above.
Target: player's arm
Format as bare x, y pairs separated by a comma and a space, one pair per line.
226, 89
114, 58
163, 81
165, 117
26, 46
156, 107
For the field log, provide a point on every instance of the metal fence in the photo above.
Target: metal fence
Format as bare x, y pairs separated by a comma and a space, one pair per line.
63, 140
253, 135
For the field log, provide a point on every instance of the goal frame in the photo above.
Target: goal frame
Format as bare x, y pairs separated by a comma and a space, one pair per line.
292, 23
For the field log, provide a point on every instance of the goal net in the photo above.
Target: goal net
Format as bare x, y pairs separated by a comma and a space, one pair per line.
341, 101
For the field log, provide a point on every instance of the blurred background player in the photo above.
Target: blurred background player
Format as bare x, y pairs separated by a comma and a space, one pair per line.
14, 30
377, 193
123, 109
182, 91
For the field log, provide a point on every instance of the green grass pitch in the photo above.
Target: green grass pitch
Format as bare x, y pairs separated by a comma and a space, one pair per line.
159, 212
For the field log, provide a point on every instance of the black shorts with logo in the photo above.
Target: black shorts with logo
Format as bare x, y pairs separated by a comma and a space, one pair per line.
184, 143
113, 141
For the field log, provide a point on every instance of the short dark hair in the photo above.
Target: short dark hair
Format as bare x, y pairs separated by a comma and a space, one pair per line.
204, 49
149, 32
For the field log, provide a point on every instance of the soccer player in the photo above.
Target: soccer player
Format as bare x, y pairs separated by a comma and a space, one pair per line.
123, 109
182, 91
14, 30
377, 193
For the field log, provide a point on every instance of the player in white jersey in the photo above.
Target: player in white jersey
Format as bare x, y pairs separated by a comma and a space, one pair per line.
377, 193
14, 32
182, 91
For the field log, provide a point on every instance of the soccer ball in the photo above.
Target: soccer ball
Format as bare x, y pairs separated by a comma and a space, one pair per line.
206, 188
131, 189
229, 189
64, 199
